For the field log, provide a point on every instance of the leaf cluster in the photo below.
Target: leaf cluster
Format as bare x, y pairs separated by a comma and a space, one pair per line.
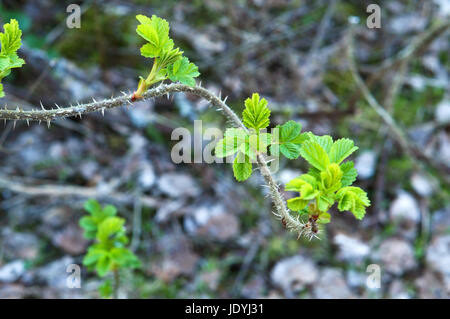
328, 179
108, 252
248, 144
11, 42
169, 62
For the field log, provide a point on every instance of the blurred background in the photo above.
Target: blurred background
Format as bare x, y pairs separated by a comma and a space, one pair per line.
198, 232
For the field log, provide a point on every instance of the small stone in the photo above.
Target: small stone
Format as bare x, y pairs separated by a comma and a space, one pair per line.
430, 286
254, 288
293, 274
351, 249
12, 271
332, 285
405, 207
397, 290
438, 258
147, 176
440, 221
212, 222
365, 164
55, 273
177, 185
178, 258
442, 113
211, 279
422, 185
396, 256
71, 240
19, 245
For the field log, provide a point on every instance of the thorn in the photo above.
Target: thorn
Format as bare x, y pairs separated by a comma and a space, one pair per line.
94, 100
48, 123
57, 106
28, 122
79, 114
39, 122
103, 111
225, 100
42, 106
14, 125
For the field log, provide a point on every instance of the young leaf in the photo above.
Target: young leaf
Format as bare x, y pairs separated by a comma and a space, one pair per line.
325, 141
287, 139
330, 179
183, 71
242, 168
103, 265
324, 218
156, 31
10, 38
353, 199
341, 149
10, 41
109, 228
349, 173
315, 155
256, 114
233, 139
297, 204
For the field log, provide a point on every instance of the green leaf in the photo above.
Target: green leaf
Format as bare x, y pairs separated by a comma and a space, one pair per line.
10, 41
242, 168
183, 71
297, 204
353, 199
324, 202
103, 265
341, 149
290, 150
259, 142
325, 141
315, 155
330, 179
111, 227
93, 207
287, 139
89, 226
306, 186
156, 31
124, 258
256, 114
349, 173
93, 255
289, 131
105, 289
232, 140
11, 38
324, 218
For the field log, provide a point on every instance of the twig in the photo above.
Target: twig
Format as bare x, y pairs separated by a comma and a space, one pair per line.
400, 136
60, 191
293, 224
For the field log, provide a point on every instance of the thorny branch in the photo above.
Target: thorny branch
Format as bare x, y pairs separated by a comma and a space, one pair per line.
43, 115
